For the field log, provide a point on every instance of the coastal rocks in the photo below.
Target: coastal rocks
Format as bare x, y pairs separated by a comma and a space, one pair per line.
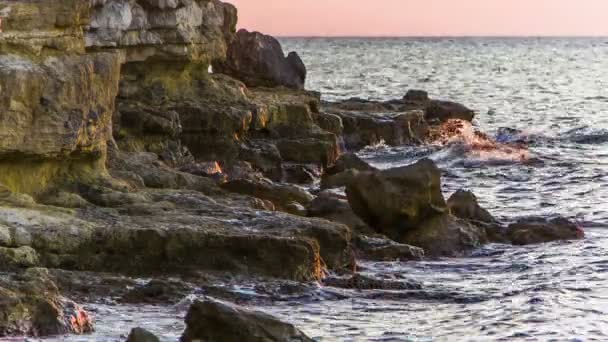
213, 320
56, 117
31, 305
362, 282
533, 230
383, 249
445, 236
279, 194
446, 110
464, 204
396, 200
333, 208
141, 335
259, 61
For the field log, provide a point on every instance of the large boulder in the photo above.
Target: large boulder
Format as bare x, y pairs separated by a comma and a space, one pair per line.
259, 61
213, 320
533, 230
396, 200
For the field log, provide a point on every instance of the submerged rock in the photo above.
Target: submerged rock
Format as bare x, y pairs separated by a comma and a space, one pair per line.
362, 282
533, 230
213, 320
259, 61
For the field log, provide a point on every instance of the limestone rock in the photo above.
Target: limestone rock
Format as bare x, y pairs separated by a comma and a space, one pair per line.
259, 61
213, 320
384, 249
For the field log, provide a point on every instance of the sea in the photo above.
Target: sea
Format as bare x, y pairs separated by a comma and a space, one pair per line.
549, 93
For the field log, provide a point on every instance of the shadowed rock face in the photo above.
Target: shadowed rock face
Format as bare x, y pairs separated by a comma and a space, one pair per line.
213, 320
259, 61
533, 230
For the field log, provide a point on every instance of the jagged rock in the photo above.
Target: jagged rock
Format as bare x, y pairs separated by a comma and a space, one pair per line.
31, 305
22, 257
464, 204
416, 97
383, 249
348, 161
213, 320
532, 230
141, 334
338, 180
445, 236
301, 173
259, 61
396, 200
296, 208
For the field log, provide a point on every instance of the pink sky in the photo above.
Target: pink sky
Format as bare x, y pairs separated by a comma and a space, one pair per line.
424, 17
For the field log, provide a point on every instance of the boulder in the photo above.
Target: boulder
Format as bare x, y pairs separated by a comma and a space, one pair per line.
214, 320
348, 161
464, 204
259, 61
361, 282
396, 200
442, 111
533, 230
445, 236
141, 335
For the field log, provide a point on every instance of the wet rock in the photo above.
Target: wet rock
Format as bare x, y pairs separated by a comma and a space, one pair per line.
141, 335
446, 110
384, 249
279, 194
212, 320
362, 282
464, 204
533, 230
414, 96
301, 173
397, 200
157, 291
445, 236
296, 208
206, 169
348, 161
31, 305
338, 180
259, 61
335, 209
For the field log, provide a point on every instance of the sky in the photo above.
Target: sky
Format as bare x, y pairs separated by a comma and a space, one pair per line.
424, 17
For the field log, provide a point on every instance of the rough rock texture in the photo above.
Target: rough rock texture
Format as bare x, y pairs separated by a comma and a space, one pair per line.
259, 61
464, 204
31, 304
445, 236
384, 249
534, 230
395, 200
213, 320
141, 335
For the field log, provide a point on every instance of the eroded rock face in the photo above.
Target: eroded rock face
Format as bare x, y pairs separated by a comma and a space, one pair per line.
213, 320
396, 200
259, 61
464, 204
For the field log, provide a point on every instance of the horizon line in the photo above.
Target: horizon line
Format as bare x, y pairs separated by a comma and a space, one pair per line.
439, 36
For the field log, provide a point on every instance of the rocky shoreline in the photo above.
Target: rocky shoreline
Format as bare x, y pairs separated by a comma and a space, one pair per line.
149, 138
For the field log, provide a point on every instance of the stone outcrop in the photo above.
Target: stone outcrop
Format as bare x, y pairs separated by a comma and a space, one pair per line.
213, 320
259, 61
